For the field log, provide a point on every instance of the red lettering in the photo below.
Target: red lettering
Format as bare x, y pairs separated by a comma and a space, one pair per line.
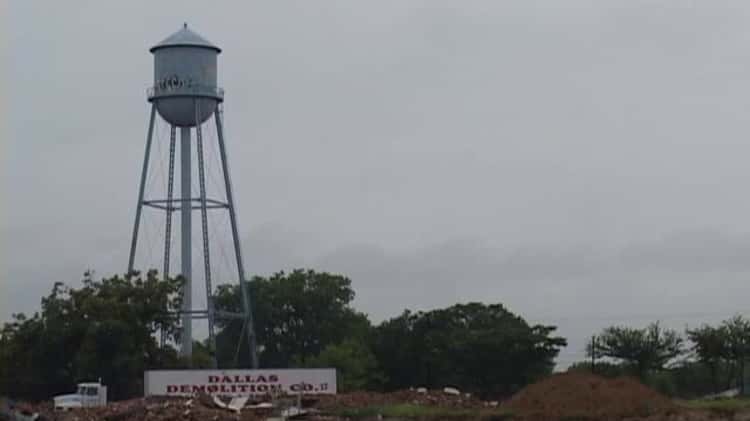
212, 388
213, 379
171, 388
263, 388
273, 378
185, 388
199, 388
243, 388
248, 379
261, 379
226, 379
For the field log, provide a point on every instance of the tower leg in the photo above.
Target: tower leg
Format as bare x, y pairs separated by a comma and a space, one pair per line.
246, 305
186, 349
204, 230
144, 173
170, 204
168, 212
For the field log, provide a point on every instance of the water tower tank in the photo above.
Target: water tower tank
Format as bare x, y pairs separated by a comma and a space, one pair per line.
185, 75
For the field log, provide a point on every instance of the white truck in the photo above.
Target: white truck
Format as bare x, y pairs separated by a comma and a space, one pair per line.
87, 395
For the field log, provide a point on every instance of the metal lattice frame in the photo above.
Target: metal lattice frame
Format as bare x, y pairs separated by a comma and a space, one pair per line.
186, 204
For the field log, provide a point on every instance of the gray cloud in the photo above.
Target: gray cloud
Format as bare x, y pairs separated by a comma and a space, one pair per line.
582, 162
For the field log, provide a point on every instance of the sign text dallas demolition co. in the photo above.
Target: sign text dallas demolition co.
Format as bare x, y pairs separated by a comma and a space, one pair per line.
239, 382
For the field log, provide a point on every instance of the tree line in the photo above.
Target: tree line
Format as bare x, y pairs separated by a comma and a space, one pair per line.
699, 361
111, 329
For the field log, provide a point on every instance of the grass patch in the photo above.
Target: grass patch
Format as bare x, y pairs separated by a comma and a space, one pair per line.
412, 411
722, 405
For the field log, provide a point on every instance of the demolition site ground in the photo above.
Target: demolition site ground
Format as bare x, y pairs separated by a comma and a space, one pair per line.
568, 396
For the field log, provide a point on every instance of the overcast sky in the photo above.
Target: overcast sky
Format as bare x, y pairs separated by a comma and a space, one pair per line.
584, 163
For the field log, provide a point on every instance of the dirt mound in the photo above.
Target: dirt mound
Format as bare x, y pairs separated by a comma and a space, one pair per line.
569, 395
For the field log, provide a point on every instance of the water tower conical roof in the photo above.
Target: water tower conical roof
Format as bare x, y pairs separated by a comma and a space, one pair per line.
185, 37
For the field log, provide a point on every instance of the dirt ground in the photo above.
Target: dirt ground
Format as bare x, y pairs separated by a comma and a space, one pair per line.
568, 396
581, 394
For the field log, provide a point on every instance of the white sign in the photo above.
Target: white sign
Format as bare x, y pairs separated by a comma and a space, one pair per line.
239, 382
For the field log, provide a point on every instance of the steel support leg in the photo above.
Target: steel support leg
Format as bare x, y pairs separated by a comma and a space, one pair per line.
246, 303
144, 173
168, 213
204, 229
186, 349
170, 204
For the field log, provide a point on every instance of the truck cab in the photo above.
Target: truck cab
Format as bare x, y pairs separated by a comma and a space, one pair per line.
87, 395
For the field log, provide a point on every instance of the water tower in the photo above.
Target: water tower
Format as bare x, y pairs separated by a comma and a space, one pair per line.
185, 95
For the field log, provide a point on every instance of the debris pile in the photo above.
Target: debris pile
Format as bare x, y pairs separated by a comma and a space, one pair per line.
571, 395
199, 408
447, 398
559, 397
12, 411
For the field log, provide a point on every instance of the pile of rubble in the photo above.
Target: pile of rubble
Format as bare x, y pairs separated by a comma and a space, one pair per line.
12, 411
446, 398
561, 396
199, 408
214, 408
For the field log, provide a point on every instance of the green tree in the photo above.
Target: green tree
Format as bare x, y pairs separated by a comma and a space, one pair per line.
296, 315
476, 347
26, 370
709, 345
355, 364
603, 368
737, 347
104, 329
692, 379
650, 348
723, 349
201, 357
